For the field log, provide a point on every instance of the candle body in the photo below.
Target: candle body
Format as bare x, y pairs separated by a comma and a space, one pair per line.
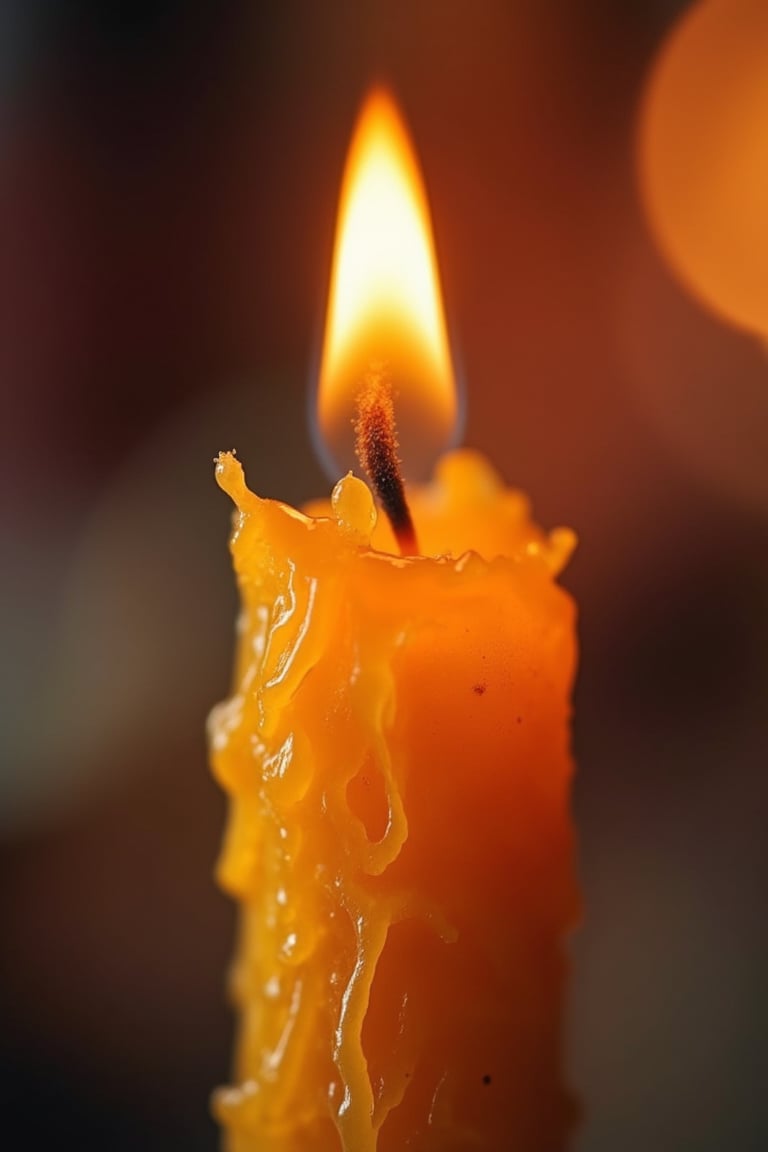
396, 751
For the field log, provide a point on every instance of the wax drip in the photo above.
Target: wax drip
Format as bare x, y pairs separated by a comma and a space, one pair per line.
377, 450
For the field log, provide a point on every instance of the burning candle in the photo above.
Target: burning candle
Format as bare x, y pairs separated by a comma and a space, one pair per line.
396, 748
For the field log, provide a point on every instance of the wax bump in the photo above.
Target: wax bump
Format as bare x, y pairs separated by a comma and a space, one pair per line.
353, 507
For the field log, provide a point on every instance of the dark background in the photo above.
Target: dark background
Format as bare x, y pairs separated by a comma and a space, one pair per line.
168, 177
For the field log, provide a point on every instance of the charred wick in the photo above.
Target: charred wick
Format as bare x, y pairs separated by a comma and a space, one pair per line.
376, 443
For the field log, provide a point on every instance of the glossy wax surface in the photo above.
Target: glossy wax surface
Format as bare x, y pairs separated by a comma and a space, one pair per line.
396, 753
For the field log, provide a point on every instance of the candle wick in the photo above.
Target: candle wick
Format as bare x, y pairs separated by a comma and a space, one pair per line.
377, 450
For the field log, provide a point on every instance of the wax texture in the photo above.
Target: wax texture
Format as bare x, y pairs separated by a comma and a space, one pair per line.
396, 752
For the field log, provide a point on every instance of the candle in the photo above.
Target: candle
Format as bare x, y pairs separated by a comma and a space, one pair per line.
396, 754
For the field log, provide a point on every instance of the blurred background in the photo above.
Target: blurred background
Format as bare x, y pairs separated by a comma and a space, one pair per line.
168, 180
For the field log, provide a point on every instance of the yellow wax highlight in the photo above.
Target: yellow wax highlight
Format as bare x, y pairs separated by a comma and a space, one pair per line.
396, 754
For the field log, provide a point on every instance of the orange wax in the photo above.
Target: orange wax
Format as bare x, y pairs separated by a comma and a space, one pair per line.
396, 754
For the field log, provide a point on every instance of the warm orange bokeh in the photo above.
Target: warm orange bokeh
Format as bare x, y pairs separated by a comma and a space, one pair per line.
704, 160
385, 306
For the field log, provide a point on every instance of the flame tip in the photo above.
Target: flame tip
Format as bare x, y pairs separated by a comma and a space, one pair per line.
385, 302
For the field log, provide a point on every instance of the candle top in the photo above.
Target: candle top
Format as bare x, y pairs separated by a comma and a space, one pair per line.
466, 509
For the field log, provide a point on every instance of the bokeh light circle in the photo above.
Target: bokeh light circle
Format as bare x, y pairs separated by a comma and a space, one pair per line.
703, 155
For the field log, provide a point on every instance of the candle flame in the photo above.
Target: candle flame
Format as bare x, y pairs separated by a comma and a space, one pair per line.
385, 308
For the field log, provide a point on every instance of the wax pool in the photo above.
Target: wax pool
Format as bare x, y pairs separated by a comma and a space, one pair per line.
396, 754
